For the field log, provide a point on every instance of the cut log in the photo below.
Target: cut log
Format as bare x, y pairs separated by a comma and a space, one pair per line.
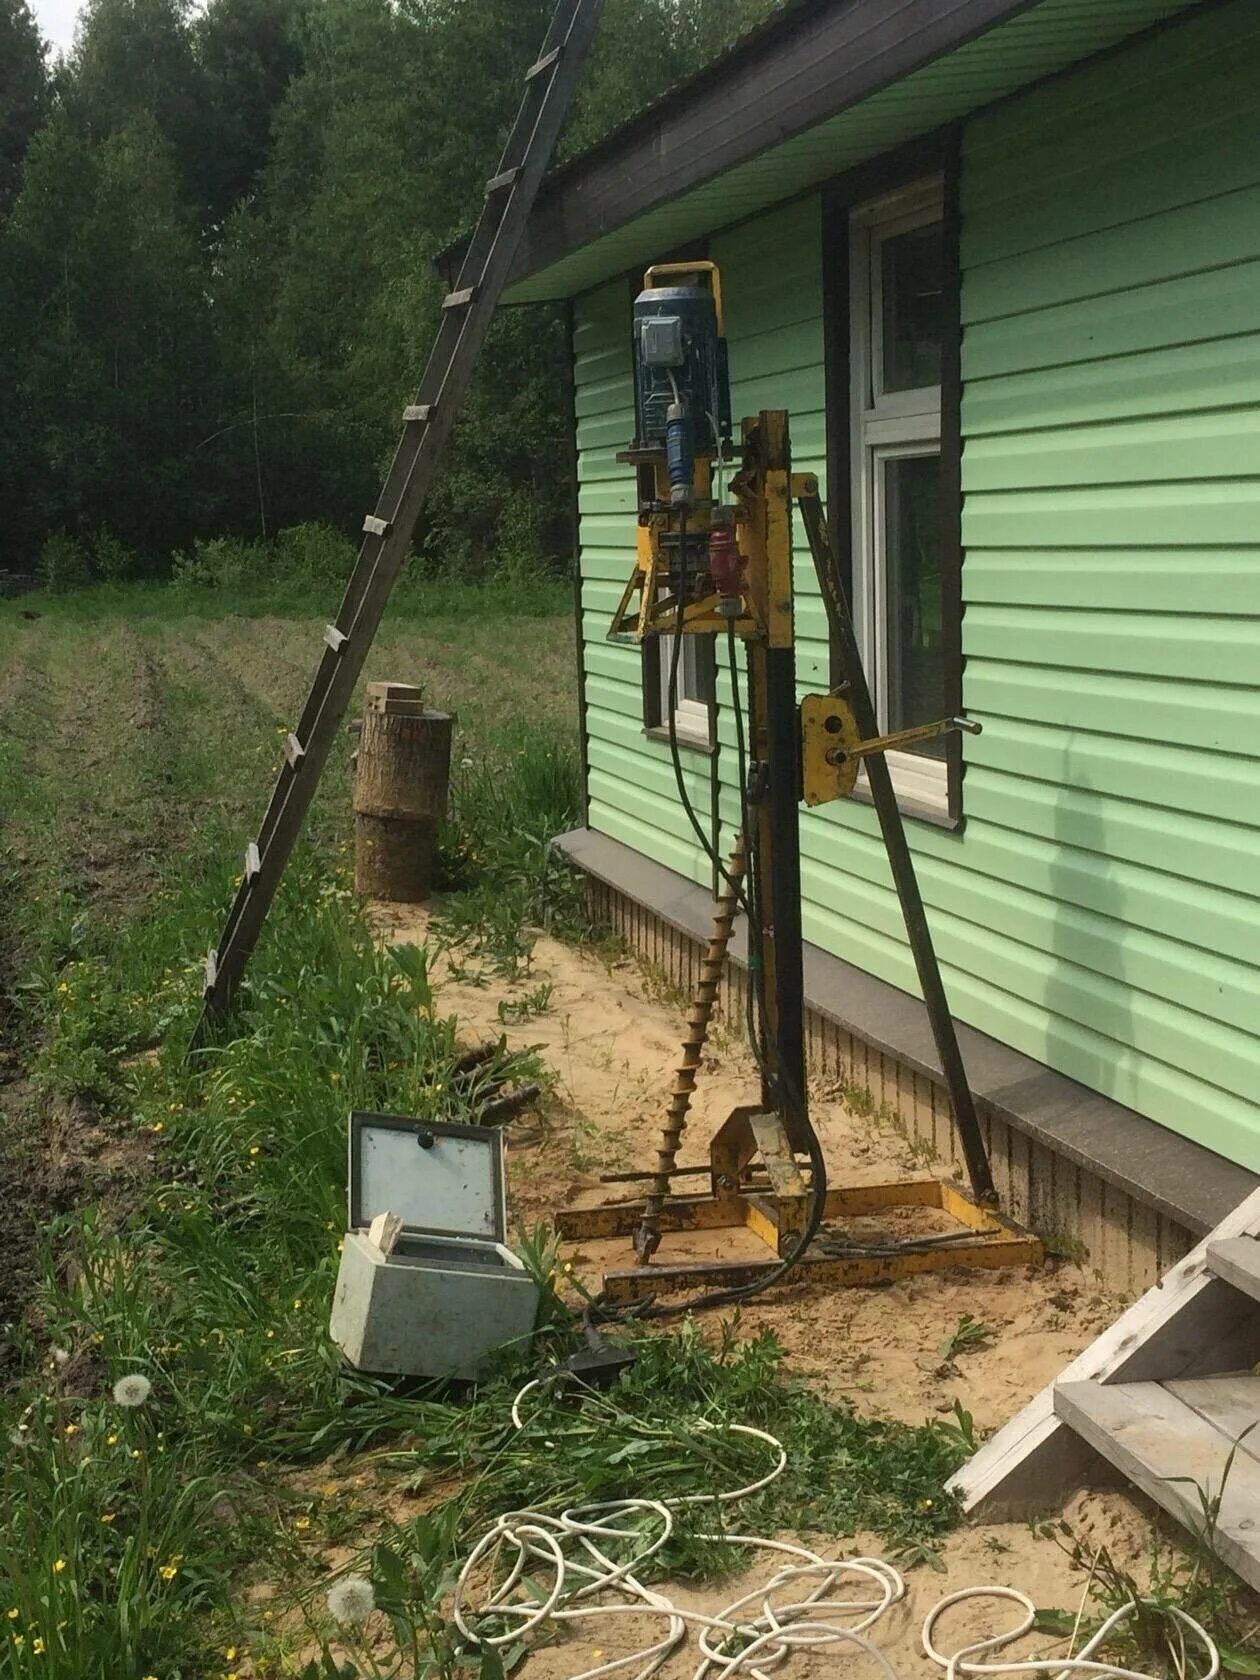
402, 777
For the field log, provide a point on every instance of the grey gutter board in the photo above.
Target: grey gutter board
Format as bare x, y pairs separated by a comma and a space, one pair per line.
1180, 1179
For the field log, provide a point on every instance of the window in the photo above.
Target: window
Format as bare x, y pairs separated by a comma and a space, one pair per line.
897, 331
693, 713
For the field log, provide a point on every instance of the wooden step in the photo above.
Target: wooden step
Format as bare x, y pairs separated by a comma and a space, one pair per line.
1237, 1260
1176, 1456
1230, 1404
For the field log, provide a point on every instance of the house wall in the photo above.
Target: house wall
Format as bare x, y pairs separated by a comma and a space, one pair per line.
1100, 909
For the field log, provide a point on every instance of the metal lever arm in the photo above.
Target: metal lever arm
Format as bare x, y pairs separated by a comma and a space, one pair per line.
907, 737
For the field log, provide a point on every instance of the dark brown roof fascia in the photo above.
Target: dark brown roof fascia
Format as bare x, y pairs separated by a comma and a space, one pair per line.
801, 67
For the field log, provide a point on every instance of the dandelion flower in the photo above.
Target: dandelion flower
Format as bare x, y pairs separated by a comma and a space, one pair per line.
132, 1390
302, 1524
72, 1429
352, 1600
59, 1568
169, 1571
37, 1645
107, 1516
13, 1614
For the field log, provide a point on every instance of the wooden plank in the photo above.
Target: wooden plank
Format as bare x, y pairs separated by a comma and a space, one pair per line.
1175, 1457
1237, 1260
1230, 1404
1033, 1462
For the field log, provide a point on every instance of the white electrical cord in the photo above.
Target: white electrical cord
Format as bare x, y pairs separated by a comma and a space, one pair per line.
547, 1569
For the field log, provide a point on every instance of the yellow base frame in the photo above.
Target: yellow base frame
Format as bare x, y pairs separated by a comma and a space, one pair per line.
986, 1239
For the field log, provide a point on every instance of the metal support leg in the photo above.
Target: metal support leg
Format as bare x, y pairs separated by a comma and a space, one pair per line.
900, 861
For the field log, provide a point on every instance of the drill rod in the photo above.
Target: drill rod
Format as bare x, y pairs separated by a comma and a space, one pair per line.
647, 1237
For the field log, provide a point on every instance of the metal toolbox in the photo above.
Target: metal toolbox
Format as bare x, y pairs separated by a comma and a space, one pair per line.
449, 1292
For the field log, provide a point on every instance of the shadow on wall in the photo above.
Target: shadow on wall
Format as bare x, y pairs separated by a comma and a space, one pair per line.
1078, 1019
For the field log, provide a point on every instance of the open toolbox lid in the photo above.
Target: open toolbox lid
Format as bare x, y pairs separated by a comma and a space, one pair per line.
441, 1179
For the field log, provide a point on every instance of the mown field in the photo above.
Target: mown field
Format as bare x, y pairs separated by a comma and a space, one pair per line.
180, 1224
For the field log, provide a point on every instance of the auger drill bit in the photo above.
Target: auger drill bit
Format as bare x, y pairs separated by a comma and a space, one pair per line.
648, 1236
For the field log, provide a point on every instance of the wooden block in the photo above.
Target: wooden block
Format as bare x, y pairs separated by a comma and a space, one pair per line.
385, 1231
1176, 1457
395, 699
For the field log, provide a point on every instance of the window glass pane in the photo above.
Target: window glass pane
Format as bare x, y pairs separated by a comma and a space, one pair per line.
912, 548
910, 285
692, 717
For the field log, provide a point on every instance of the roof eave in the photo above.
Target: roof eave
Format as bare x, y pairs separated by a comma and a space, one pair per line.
793, 72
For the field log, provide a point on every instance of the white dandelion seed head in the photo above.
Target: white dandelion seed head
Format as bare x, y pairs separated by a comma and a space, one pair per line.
60, 1357
352, 1599
132, 1390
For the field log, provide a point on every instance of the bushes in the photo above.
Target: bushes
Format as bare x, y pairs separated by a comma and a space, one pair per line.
63, 564
300, 559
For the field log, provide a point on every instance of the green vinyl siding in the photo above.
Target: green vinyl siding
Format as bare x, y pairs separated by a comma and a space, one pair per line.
1100, 910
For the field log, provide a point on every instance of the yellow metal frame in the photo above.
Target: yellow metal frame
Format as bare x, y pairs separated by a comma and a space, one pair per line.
756, 1180
987, 1239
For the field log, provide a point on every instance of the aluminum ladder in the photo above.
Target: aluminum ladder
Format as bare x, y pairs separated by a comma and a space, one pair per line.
465, 316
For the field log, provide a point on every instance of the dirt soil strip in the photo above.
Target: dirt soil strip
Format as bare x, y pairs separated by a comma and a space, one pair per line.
611, 1042
74, 721
610, 1039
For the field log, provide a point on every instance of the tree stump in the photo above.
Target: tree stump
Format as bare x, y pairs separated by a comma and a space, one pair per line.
402, 777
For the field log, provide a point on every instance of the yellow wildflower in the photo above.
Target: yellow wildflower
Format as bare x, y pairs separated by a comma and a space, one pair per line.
59, 1568
107, 1516
72, 1429
37, 1645
170, 1570
13, 1614
302, 1524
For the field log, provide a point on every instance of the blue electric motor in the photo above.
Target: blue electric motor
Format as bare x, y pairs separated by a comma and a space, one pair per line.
682, 396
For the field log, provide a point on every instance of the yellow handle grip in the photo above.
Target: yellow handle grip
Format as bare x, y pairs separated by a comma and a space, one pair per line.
654, 277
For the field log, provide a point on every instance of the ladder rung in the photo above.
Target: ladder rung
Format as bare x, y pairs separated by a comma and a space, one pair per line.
457, 300
543, 64
497, 183
211, 970
335, 638
294, 751
417, 411
376, 527
253, 862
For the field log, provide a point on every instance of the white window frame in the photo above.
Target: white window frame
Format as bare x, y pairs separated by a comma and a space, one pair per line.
886, 425
693, 716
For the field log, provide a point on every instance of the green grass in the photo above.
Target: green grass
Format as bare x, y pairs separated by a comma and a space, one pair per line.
132, 754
